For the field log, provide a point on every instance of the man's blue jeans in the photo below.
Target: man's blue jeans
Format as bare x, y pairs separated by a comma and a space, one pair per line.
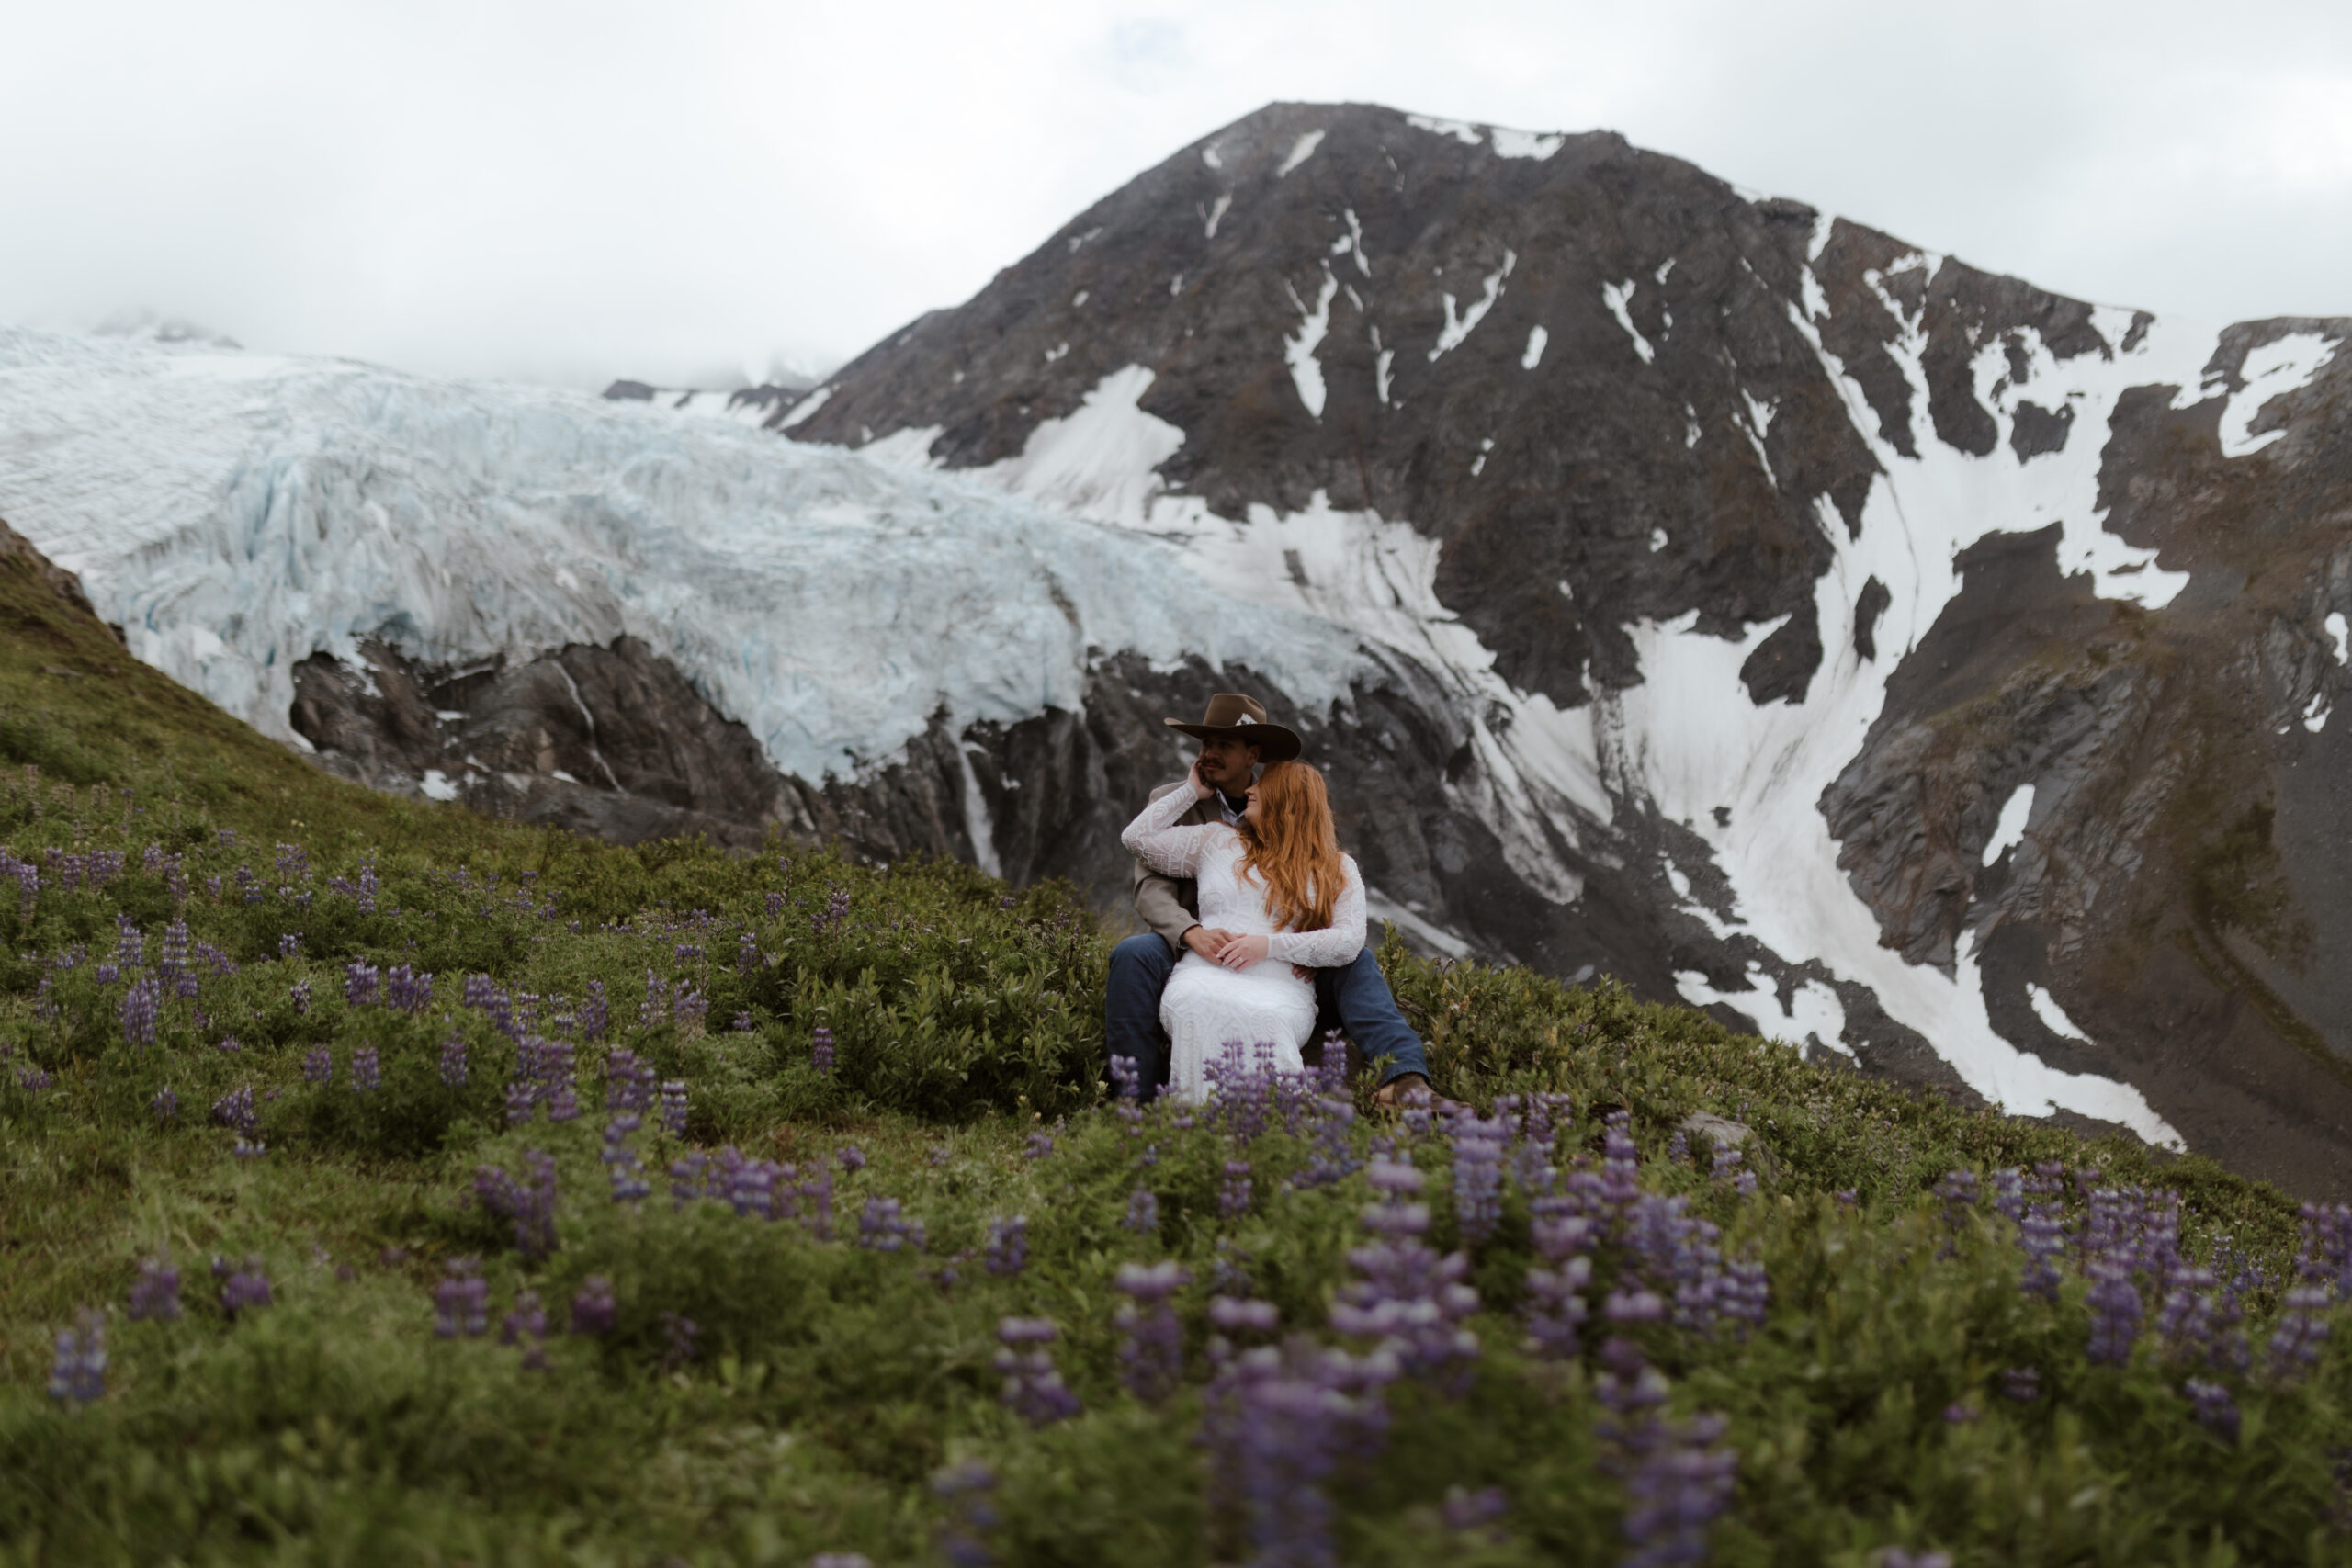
1354, 998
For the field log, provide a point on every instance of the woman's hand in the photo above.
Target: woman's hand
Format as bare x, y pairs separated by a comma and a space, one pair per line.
1242, 952
1192, 777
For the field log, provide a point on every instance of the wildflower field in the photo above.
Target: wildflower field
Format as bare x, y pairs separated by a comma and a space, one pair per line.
379, 1184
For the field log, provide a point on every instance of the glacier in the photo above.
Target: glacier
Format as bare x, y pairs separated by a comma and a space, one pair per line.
236, 512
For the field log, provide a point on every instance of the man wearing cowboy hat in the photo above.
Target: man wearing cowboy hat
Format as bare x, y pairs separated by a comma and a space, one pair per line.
1236, 739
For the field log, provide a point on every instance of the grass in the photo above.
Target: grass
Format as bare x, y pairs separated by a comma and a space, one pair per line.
829, 1384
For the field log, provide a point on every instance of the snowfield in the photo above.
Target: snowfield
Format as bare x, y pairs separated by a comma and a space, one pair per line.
235, 514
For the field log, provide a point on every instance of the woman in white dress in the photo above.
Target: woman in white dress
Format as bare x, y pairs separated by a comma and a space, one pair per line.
1279, 883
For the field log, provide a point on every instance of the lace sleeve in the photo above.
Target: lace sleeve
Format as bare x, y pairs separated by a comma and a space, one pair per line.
1336, 943
1154, 837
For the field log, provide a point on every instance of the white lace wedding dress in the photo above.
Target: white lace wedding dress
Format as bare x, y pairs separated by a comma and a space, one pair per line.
1206, 1004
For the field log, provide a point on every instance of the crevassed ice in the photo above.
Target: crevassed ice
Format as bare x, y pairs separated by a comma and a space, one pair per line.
255, 511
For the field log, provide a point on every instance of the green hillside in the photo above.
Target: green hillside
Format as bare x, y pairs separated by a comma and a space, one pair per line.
641, 1206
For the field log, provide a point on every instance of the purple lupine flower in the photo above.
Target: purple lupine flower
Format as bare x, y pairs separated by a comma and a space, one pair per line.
1143, 1212
2115, 1310
141, 1002
2301, 1330
1746, 1295
841, 1560
407, 991
248, 1148
1233, 1196
1676, 1474
1033, 1388
834, 913
1958, 1190
293, 863
1555, 1303
174, 960
594, 1310
1405, 1296
965, 1491
78, 1374
690, 1011
318, 1066
1276, 1422
453, 1060
366, 1070
32, 1081
165, 1105
289, 946
882, 1228
746, 954
628, 1172
596, 1013
130, 945
1152, 1342
2214, 1409
155, 1294
1008, 1248
235, 1111
851, 1159
529, 1205
359, 979
1040, 1146
2022, 1383
673, 1107
245, 1288
1677, 1253
299, 993
655, 1008
1675, 1489
679, 1336
1479, 1148
2043, 1234
526, 1326
820, 1053
461, 1302
1897, 1557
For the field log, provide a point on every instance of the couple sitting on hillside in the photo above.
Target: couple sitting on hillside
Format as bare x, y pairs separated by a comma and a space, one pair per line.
1257, 919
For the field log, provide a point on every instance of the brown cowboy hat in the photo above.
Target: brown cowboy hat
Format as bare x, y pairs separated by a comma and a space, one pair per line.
1234, 716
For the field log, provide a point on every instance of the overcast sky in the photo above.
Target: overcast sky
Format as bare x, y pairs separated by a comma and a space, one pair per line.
574, 191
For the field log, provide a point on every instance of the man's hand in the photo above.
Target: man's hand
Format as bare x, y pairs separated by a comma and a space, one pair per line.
1240, 951
1207, 940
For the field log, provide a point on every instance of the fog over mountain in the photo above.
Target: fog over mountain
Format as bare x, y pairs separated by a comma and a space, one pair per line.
1679, 585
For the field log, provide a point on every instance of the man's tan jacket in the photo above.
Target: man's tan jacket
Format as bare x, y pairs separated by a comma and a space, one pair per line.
1172, 905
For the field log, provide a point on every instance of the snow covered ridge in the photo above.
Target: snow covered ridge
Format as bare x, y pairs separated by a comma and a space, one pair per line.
257, 509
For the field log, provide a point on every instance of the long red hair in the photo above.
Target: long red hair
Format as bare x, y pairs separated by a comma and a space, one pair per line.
1294, 849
